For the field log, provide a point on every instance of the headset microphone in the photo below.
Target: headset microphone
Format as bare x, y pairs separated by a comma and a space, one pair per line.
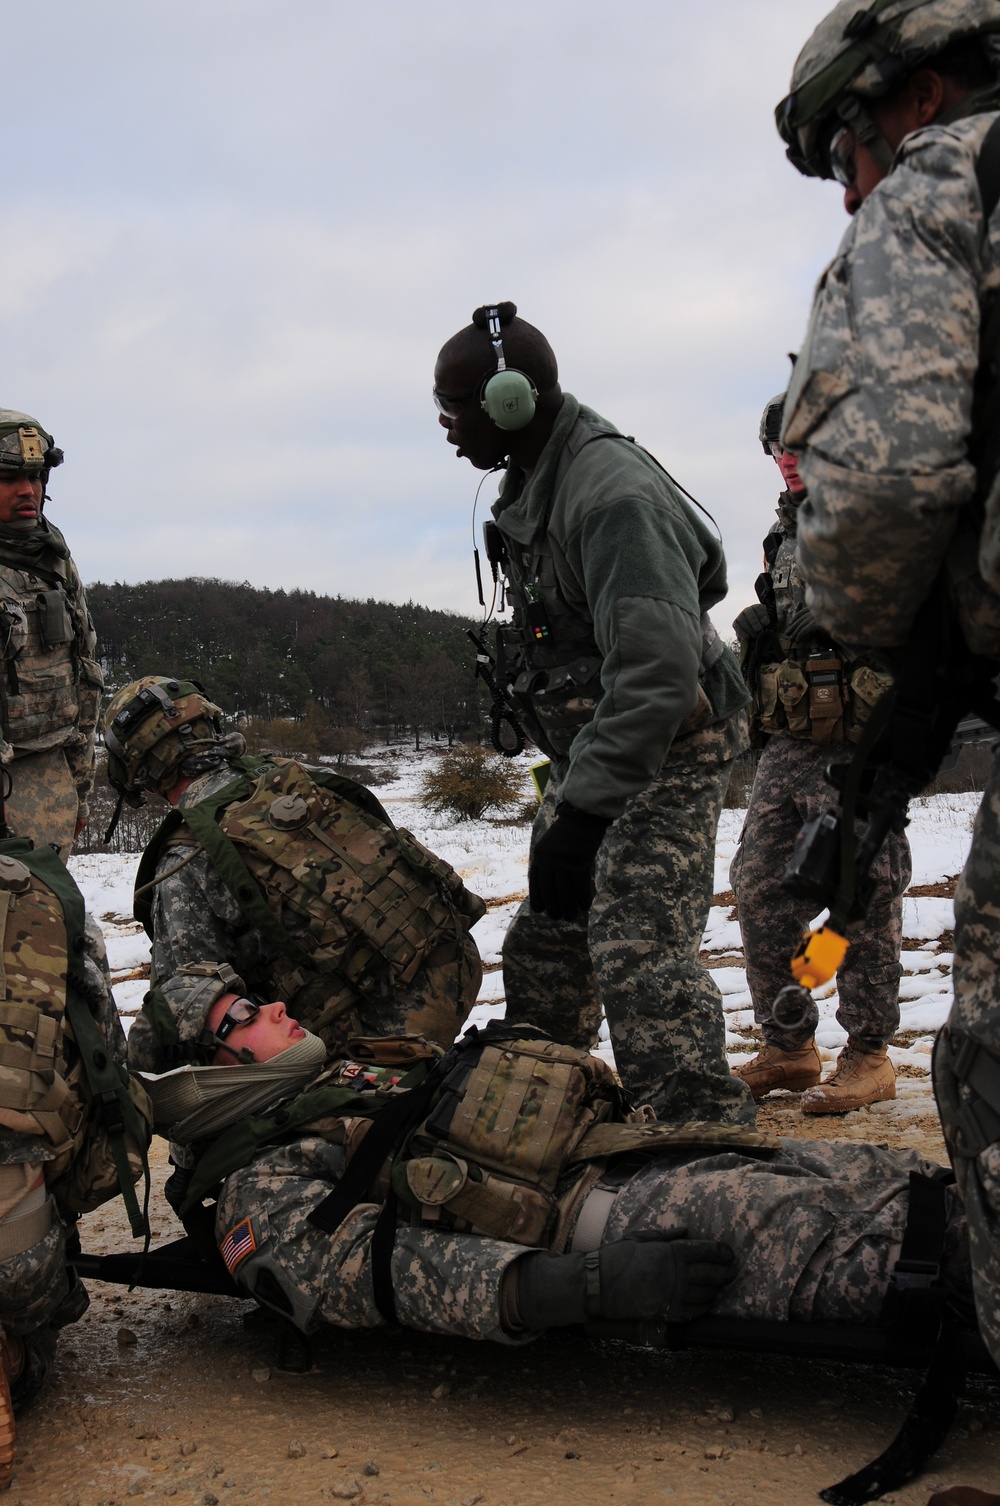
509, 396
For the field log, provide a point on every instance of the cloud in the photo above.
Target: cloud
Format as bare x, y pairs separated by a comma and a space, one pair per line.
240, 229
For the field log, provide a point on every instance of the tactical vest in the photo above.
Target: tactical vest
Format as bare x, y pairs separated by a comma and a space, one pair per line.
373, 903
818, 697
57, 1081
502, 1136
547, 661
50, 680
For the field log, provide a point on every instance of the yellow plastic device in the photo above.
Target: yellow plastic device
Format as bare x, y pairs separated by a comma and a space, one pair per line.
818, 957
540, 777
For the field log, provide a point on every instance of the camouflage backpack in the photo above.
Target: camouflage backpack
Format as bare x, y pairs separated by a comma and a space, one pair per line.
374, 902
57, 1079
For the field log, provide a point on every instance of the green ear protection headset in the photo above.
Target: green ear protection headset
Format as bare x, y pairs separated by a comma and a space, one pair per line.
508, 397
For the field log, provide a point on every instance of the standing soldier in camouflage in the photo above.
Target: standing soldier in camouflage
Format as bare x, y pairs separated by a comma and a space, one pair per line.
810, 699
615, 668
900, 103
293, 876
57, 1156
50, 681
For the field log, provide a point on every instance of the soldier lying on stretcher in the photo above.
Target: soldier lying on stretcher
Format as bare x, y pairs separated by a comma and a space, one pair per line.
503, 1189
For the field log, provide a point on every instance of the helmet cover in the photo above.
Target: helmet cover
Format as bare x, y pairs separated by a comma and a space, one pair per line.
24, 444
151, 725
864, 51
770, 422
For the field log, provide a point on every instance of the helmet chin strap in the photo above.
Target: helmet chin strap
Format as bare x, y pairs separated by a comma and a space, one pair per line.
854, 113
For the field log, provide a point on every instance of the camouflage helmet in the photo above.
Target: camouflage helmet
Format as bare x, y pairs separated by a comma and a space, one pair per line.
770, 422
860, 52
24, 444
151, 726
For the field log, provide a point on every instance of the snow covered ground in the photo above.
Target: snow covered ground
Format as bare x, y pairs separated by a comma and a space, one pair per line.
492, 858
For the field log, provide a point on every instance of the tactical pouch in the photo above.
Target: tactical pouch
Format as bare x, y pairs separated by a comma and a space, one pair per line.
826, 700
867, 688
55, 625
793, 693
93, 1175
771, 713
488, 1159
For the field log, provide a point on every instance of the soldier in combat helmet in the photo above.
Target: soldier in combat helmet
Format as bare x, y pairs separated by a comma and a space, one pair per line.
810, 703
50, 681
892, 409
613, 663
293, 876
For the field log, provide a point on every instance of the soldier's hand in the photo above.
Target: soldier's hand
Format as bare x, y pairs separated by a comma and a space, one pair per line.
801, 624
673, 1278
561, 870
752, 621
628, 1281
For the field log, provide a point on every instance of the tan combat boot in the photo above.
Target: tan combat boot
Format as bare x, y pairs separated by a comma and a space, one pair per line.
774, 1068
11, 1361
860, 1078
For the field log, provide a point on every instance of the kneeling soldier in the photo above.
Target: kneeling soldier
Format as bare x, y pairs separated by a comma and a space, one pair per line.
73, 1126
292, 876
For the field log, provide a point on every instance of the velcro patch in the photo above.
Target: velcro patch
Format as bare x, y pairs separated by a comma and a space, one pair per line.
238, 1244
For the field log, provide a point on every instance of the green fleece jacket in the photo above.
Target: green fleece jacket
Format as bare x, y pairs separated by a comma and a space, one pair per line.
638, 567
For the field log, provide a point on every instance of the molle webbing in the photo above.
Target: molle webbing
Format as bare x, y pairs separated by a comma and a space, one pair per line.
373, 903
57, 978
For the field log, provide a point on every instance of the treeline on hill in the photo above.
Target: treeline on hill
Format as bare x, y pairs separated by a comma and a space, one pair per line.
344, 673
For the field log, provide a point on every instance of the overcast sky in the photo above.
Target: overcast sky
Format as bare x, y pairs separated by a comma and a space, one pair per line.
238, 232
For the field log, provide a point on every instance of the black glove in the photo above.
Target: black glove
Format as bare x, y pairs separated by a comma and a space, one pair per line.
631, 1281
801, 624
561, 871
752, 621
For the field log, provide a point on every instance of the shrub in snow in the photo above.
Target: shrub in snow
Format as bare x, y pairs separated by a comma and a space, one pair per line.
469, 781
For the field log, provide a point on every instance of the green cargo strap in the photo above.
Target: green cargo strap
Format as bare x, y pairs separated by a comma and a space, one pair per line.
107, 1081
237, 1146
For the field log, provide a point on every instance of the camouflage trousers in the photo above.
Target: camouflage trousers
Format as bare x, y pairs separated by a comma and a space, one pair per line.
442, 1282
43, 803
636, 954
34, 1283
967, 1058
37, 1296
816, 1226
789, 788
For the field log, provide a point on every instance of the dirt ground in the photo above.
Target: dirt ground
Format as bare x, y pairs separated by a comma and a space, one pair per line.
167, 1395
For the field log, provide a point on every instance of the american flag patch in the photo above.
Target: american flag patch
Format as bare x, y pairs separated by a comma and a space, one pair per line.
238, 1244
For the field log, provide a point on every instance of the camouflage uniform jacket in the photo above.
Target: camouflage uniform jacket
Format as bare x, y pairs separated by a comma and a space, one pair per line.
880, 404
619, 572
781, 567
50, 681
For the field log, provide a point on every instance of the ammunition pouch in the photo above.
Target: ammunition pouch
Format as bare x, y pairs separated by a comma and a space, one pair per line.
819, 699
490, 1156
